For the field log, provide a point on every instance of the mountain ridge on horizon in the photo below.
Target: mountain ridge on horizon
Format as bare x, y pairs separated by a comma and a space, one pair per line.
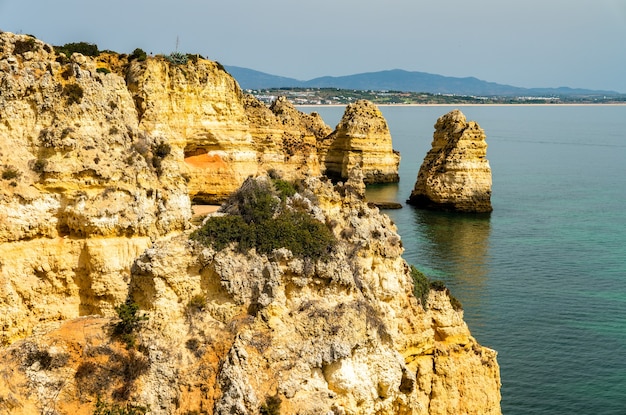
403, 80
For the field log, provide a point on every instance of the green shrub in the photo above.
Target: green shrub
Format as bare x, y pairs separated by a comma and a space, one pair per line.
299, 232
285, 189
220, 231
177, 58
138, 54
258, 225
107, 408
255, 202
105, 71
84, 48
438, 285
128, 313
421, 285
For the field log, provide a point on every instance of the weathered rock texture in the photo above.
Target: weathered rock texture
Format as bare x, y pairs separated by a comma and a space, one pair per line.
343, 335
80, 196
361, 138
94, 162
285, 138
98, 170
455, 174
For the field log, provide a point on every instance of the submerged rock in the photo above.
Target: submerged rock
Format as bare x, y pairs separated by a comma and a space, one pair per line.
362, 138
455, 174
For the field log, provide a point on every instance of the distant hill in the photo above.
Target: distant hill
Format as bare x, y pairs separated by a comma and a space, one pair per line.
401, 80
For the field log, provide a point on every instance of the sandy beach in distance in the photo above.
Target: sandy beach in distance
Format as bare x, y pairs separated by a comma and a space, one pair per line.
201, 210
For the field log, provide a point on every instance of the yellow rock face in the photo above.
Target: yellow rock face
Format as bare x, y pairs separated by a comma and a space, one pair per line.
362, 138
231, 332
455, 174
197, 109
98, 174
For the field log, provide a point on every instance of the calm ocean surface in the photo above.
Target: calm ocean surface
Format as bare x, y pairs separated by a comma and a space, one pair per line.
543, 279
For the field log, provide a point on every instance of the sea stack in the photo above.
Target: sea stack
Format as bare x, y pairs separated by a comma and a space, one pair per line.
455, 175
362, 138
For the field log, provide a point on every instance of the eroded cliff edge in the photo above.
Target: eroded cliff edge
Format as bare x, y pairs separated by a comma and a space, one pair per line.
98, 172
231, 331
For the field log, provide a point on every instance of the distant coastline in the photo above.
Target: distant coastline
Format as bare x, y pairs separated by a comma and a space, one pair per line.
563, 104
336, 96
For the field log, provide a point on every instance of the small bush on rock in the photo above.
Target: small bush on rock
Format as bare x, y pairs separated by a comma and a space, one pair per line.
138, 54
421, 285
23, 46
108, 408
259, 224
84, 48
177, 58
128, 313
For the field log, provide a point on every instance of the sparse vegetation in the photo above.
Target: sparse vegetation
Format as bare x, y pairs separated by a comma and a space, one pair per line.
271, 406
197, 302
84, 48
39, 166
108, 408
105, 71
23, 46
128, 313
422, 286
262, 225
161, 151
177, 58
138, 54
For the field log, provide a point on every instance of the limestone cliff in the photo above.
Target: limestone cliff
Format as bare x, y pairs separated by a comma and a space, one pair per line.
232, 332
80, 196
455, 174
198, 110
361, 138
100, 159
104, 155
285, 138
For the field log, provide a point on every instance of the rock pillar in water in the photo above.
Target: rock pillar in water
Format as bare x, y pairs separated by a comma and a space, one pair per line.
455, 175
362, 138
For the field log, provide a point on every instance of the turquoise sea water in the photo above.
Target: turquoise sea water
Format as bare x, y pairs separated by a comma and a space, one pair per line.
543, 278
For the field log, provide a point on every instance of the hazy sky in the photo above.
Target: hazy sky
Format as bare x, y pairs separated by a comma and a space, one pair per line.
527, 43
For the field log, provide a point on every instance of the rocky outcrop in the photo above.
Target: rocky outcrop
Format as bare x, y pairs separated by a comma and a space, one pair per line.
104, 153
80, 196
285, 138
241, 332
455, 174
99, 161
197, 109
361, 138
